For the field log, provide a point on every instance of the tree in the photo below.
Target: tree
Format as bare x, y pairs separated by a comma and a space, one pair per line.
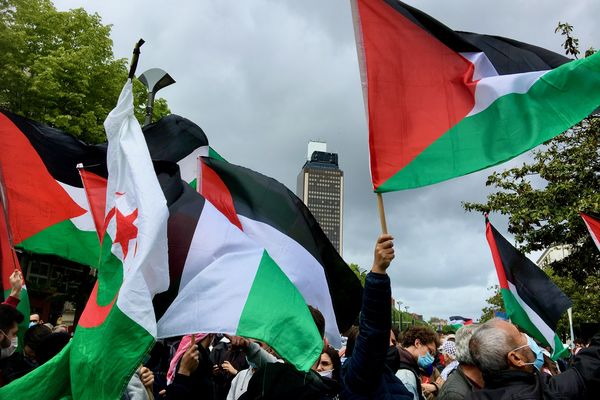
495, 303
59, 68
360, 273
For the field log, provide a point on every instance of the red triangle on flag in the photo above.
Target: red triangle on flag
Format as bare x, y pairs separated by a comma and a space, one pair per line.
593, 225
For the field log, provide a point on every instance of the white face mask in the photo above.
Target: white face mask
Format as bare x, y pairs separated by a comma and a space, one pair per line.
326, 374
7, 352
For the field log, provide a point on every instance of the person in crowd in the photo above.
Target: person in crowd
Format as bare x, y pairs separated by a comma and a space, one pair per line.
329, 364
239, 384
365, 374
449, 352
140, 385
52, 345
510, 362
227, 361
10, 318
419, 347
466, 377
20, 363
190, 371
550, 366
34, 319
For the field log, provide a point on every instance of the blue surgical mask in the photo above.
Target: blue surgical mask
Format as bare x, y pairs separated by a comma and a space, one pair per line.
539, 355
251, 364
425, 361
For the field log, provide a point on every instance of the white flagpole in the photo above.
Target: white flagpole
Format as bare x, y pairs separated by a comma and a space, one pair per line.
570, 313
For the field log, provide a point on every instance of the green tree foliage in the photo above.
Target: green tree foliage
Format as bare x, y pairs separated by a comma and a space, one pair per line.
494, 303
59, 68
360, 273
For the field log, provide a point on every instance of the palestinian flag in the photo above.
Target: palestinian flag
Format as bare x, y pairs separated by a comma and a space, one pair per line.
48, 210
8, 264
443, 103
592, 222
457, 322
532, 301
272, 216
222, 281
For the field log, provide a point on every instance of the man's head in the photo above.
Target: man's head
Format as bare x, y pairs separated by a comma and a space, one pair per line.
422, 342
10, 318
498, 346
463, 336
34, 319
33, 339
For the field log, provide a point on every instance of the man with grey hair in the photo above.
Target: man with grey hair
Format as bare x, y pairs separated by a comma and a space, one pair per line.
466, 377
510, 361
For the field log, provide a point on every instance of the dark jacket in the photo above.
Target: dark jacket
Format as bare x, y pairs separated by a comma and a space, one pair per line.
582, 381
456, 387
365, 375
199, 385
276, 381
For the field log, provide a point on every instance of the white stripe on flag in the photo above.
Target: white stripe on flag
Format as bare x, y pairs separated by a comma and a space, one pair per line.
535, 319
188, 166
301, 268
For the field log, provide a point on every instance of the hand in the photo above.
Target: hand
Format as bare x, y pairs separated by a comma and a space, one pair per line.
229, 368
190, 359
238, 341
16, 283
384, 254
439, 381
429, 388
147, 377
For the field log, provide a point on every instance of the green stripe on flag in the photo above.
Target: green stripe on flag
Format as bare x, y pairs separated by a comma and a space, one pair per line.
106, 354
273, 299
510, 126
67, 241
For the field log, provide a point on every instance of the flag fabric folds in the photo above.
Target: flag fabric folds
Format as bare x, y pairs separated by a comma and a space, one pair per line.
444, 103
532, 301
592, 222
271, 215
457, 322
57, 220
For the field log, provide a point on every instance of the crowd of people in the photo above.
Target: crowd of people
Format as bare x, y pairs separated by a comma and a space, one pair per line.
493, 360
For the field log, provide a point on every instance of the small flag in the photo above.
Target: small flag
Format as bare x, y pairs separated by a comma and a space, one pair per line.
592, 221
532, 301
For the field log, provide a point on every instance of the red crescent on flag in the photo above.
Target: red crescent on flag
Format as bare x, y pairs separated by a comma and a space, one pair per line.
94, 314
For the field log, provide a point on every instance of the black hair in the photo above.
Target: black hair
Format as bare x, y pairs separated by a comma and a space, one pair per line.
9, 316
35, 335
319, 320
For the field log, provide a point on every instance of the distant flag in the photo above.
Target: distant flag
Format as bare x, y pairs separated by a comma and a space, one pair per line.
457, 322
532, 301
444, 103
592, 221
501, 315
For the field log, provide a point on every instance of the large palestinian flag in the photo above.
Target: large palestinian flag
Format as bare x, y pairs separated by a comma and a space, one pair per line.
532, 301
592, 222
47, 209
268, 213
443, 103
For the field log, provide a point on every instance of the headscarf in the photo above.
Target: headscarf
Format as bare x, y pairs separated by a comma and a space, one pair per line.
182, 348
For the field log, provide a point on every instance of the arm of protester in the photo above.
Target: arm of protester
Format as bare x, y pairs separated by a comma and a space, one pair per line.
16, 285
147, 377
585, 374
367, 364
254, 353
229, 368
181, 387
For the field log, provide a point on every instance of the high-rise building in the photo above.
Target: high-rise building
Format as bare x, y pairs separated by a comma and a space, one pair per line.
321, 188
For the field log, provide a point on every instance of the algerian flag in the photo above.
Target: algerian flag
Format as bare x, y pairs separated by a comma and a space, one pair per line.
444, 103
532, 301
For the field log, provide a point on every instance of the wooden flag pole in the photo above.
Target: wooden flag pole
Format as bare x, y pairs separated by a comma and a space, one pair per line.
384, 229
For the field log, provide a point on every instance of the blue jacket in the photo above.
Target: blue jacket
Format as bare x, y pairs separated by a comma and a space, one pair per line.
365, 375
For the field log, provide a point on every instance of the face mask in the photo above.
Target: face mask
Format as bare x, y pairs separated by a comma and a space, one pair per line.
326, 374
425, 361
539, 354
7, 352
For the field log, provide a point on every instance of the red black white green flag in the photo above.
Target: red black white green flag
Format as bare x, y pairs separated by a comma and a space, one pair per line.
444, 103
532, 301
592, 222
274, 217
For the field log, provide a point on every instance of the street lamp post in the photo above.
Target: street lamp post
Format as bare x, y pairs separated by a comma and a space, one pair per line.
154, 79
400, 311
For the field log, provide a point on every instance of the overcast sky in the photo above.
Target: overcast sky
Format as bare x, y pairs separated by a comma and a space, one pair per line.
262, 78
